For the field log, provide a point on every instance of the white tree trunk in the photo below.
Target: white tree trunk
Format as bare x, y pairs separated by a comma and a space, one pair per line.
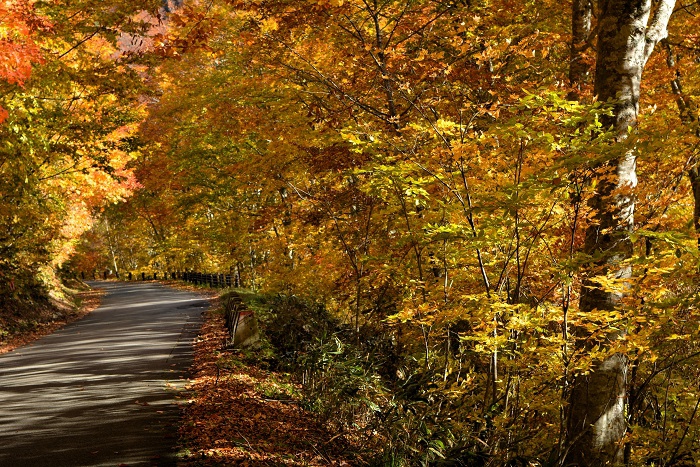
626, 38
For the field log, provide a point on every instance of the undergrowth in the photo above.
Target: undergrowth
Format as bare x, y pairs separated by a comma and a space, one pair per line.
392, 409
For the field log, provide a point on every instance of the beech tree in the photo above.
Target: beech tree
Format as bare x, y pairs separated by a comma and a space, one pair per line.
628, 31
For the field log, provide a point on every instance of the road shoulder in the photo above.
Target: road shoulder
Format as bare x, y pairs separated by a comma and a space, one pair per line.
18, 329
240, 414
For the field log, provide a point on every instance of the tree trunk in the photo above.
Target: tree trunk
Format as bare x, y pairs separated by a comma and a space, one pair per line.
689, 115
694, 176
580, 34
597, 424
112, 248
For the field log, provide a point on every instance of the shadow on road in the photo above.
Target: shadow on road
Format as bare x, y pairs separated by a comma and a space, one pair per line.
102, 390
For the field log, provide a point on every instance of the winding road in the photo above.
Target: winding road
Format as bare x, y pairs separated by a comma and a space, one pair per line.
102, 391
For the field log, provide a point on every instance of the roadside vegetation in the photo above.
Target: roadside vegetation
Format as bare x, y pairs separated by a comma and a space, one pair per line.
35, 312
245, 409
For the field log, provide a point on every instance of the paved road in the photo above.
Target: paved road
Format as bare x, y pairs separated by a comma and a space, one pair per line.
101, 391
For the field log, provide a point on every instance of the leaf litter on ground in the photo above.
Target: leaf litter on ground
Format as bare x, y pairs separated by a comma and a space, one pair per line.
239, 415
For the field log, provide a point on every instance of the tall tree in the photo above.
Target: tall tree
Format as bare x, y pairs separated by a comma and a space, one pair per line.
626, 39
579, 68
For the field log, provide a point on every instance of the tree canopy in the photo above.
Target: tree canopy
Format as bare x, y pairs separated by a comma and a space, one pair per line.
487, 209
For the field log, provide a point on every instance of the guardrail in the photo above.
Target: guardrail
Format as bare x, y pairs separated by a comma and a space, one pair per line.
215, 280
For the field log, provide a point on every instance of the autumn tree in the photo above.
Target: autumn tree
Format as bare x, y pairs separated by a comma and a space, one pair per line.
422, 173
376, 173
63, 153
628, 31
17, 48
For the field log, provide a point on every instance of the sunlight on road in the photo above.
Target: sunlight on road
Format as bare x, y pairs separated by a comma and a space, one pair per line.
100, 391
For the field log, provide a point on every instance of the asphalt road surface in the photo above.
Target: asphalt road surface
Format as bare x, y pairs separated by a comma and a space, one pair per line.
102, 391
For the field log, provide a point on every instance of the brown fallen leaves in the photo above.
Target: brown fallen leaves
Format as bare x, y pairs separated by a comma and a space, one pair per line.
231, 421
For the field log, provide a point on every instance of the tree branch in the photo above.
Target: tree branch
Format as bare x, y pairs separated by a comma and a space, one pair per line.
658, 29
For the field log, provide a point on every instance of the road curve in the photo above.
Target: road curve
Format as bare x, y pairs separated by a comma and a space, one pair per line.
101, 391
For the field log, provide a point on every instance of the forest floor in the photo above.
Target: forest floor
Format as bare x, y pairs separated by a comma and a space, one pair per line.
242, 414
21, 327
